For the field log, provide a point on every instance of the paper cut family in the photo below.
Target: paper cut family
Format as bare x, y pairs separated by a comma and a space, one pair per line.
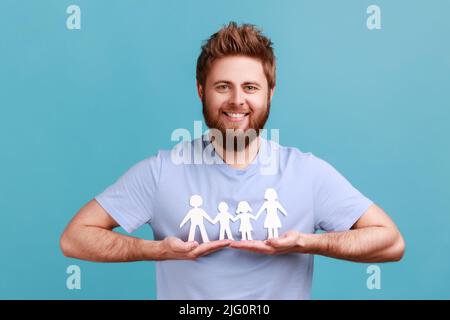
272, 222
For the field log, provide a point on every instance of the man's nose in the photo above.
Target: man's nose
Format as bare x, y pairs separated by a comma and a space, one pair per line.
237, 97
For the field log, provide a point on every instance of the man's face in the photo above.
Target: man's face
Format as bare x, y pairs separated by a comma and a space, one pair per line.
236, 94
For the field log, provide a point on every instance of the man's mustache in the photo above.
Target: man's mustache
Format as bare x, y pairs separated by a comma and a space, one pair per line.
235, 110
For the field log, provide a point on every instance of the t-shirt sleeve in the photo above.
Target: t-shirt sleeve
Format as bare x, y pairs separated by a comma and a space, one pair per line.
337, 204
130, 200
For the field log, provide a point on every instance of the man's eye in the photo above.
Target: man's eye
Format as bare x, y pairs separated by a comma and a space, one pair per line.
222, 87
251, 88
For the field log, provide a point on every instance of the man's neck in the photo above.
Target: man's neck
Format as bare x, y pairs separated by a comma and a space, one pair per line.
239, 159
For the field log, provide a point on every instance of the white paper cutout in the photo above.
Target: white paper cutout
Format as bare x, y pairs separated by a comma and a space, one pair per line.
196, 215
272, 222
243, 211
224, 217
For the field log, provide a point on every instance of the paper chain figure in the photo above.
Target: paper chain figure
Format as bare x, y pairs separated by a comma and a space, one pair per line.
272, 222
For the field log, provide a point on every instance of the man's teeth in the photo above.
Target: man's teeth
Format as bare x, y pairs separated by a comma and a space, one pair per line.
235, 115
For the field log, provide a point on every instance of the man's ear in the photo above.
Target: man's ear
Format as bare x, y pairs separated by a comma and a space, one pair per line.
200, 90
272, 91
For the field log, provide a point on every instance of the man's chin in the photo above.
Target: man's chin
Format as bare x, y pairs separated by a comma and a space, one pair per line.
239, 131
236, 138
241, 126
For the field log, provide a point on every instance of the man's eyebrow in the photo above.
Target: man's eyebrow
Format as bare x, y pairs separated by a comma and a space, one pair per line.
246, 83
221, 81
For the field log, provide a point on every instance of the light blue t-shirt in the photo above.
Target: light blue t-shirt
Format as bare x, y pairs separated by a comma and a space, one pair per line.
158, 191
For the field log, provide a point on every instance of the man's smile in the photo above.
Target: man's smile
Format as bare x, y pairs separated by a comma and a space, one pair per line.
235, 116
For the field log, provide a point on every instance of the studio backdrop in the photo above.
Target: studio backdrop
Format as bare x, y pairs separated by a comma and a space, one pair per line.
89, 88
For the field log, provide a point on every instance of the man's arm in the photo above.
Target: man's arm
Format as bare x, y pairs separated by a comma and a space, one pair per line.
90, 236
373, 238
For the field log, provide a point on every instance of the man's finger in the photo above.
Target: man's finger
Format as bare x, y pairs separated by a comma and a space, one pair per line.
248, 244
279, 242
205, 253
253, 245
213, 245
185, 246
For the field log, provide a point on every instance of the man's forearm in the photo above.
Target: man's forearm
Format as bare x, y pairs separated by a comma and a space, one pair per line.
371, 244
101, 245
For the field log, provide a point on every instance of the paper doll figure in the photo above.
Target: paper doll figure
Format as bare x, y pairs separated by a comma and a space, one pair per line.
224, 217
272, 222
244, 214
196, 215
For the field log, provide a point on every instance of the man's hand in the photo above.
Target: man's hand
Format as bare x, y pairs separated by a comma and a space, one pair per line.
172, 248
291, 241
90, 236
373, 238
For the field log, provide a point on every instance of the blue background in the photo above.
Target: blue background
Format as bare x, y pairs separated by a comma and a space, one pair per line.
79, 107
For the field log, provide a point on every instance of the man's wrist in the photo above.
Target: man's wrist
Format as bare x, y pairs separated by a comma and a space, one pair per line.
311, 243
151, 250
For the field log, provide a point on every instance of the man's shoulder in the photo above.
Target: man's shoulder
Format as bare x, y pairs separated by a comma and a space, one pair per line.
175, 154
292, 155
289, 151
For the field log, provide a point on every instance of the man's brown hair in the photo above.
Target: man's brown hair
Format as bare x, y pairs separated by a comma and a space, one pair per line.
246, 40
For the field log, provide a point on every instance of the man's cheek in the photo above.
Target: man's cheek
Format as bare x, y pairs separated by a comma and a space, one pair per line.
257, 103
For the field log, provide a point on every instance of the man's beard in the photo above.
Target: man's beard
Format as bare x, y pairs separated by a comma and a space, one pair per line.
239, 139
